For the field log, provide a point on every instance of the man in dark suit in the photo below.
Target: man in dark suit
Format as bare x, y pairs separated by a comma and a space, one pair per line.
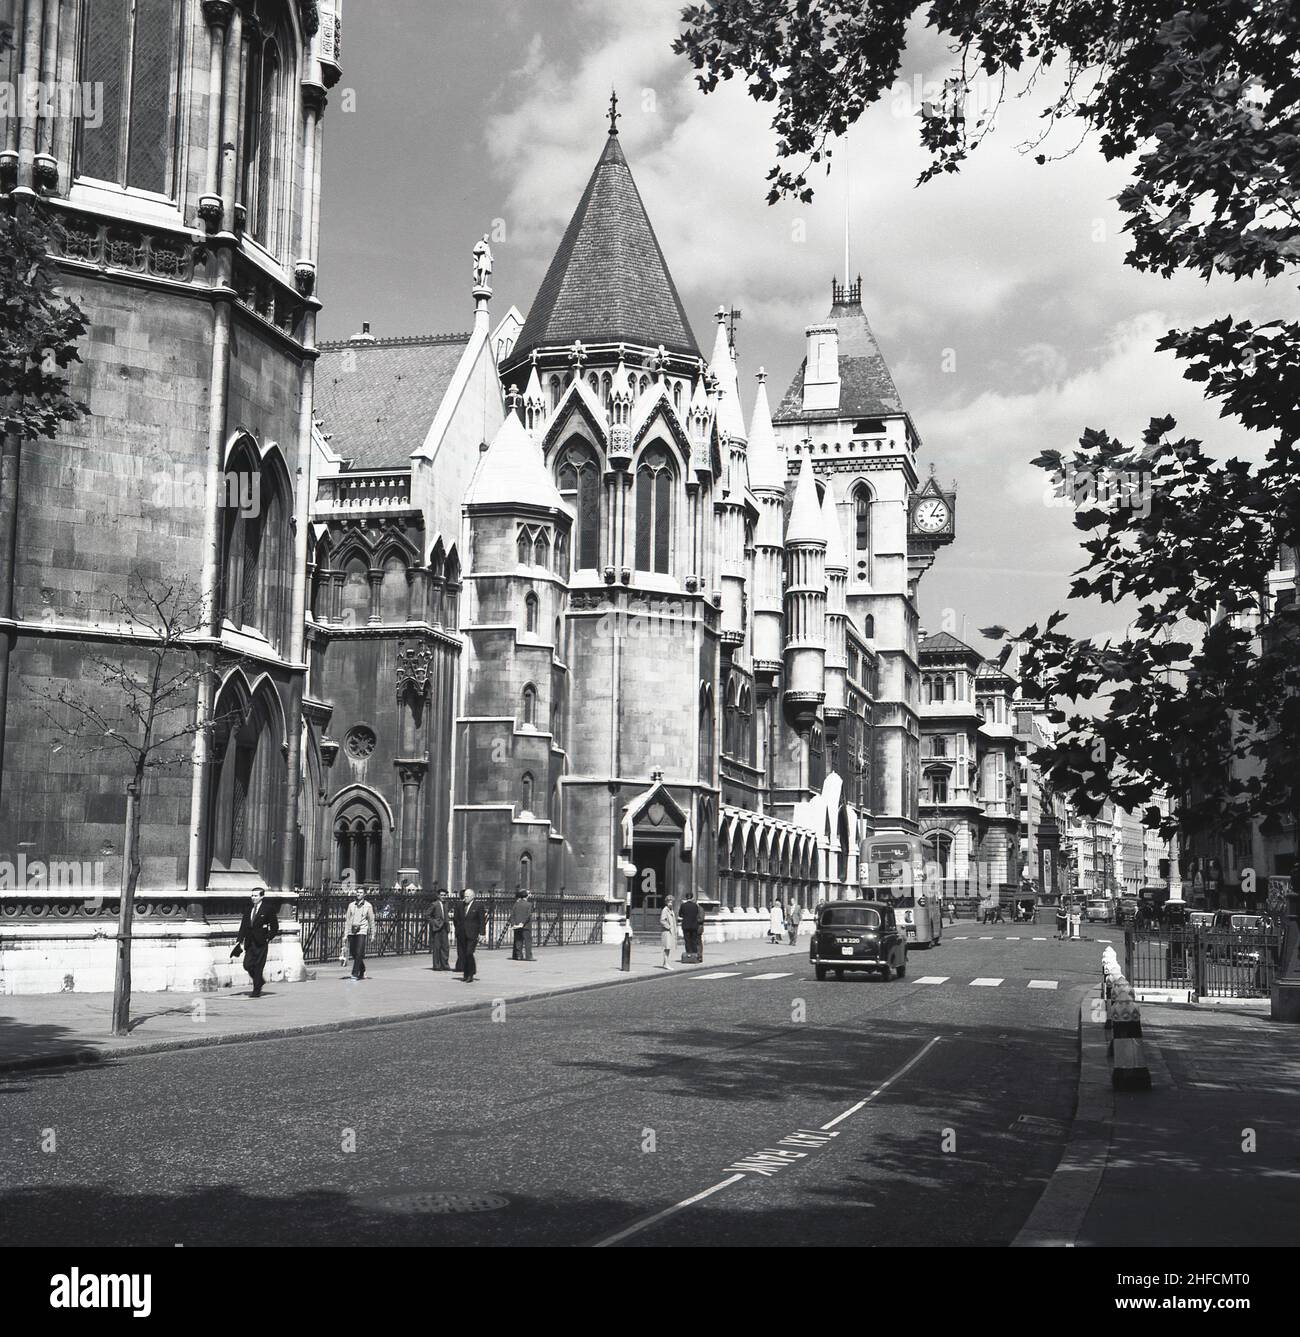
438, 930
458, 929
691, 926
257, 928
473, 922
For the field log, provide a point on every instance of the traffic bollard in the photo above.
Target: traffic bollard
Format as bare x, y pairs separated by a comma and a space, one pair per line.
626, 963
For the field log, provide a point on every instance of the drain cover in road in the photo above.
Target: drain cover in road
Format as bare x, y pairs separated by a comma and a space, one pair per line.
442, 1204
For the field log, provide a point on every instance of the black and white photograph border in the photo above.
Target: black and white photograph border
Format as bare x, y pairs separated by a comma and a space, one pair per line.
650, 624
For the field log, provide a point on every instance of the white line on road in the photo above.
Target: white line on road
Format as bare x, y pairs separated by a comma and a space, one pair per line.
984, 984
933, 979
667, 1211
1040, 939
1043, 984
803, 1138
1016, 939
717, 975
775, 975
961, 938
989, 938
885, 1085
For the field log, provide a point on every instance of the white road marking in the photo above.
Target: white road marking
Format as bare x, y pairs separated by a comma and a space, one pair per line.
888, 1082
988, 938
984, 984
1040, 939
667, 1211
1013, 939
961, 938
717, 975
776, 975
1043, 984
1104, 940
933, 979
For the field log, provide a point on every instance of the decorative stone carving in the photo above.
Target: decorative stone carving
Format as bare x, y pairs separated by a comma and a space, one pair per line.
210, 211
304, 277
218, 12
45, 170
359, 742
414, 666
483, 263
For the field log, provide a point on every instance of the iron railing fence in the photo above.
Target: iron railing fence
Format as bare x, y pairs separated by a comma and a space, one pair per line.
402, 922
1208, 962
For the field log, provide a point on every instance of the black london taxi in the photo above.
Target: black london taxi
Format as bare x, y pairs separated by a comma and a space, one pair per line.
857, 935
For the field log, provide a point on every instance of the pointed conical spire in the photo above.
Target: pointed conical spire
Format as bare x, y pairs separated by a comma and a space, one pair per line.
805, 523
512, 472
766, 463
837, 558
731, 419
608, 281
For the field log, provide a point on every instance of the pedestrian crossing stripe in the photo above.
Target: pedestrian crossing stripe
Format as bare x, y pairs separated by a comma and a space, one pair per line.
717, 975
776, 975
1043, 984
984, 984
933, 979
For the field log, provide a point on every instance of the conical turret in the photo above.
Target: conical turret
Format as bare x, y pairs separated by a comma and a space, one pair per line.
805, 602
837, 608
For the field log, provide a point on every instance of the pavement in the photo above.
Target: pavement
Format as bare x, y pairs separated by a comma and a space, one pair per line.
44, 1030
739, 1101
1210, 1156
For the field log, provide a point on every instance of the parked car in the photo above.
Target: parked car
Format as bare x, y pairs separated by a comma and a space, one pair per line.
1097, 912
1201, 919
1239, 937
857, 935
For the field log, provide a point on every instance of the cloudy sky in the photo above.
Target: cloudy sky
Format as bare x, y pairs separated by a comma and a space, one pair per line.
999, 296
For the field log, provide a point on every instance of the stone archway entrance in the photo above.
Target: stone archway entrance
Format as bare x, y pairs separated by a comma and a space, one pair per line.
656, 858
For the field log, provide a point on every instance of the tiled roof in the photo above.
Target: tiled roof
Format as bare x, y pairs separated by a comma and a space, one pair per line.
608, 282
945, 642
512, 472
867, 390
376, 400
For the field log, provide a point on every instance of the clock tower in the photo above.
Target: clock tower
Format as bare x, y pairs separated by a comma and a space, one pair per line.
843, 416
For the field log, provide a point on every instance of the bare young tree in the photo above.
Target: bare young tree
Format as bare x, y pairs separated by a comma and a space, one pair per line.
137, 704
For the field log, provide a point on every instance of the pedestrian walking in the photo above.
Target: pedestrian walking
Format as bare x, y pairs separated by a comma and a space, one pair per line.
776, 923
257, 927
667, 932
438, 930
521, 920
473, 922
794, 920
458, 928
692, 923
358, 928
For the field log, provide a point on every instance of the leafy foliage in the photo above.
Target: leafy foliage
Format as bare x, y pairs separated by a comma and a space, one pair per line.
1202, 697
39, 328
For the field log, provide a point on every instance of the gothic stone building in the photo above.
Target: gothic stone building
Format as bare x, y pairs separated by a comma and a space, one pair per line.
538, 605
686, 649
188, 217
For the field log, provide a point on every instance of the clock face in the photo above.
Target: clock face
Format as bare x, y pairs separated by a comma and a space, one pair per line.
931, 515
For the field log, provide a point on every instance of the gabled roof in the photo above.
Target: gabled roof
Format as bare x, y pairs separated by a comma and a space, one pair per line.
608, 281
378, 398
867, 389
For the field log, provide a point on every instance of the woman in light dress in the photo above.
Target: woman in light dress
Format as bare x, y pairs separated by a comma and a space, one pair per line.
668, 934
776, 923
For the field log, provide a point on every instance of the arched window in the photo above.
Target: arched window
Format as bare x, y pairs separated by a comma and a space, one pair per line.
394, 591
541, 550
257, 548
862, 531
606, 389
529, 705
579, 482
249, 784
937, 850
558, 642
451, 590
526, 871
562, 555
530, 613
358, 844
557, 389
869, 627
706, 733
524, 548
130, 53
677, 396
526, 792
654, 510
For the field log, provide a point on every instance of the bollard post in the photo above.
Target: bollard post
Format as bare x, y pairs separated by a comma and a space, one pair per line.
626, 963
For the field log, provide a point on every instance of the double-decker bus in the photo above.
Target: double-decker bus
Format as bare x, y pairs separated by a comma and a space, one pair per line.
893, 873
